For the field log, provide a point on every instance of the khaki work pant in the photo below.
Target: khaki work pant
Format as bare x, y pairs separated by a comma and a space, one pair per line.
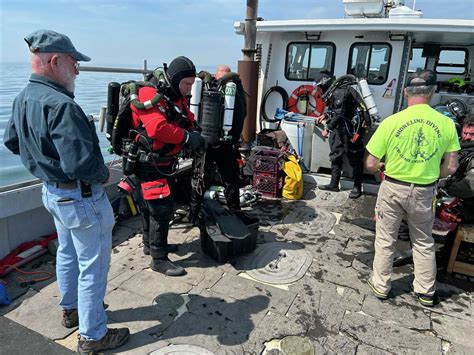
395, 201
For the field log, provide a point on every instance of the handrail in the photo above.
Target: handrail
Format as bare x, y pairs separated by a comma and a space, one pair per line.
116, 70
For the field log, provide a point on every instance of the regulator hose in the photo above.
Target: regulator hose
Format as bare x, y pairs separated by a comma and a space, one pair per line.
133, 88
284, 96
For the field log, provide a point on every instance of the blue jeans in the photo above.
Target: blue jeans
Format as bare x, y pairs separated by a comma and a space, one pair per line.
84, 227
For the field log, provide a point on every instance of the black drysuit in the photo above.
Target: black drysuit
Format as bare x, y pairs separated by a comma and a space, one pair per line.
347, 124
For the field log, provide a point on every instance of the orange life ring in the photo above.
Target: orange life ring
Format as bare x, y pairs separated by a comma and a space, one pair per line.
312, 110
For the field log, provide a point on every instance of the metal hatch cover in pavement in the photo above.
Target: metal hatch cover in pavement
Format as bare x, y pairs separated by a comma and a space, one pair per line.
329, 198
310, 220
168, 302
279, 262
182, 350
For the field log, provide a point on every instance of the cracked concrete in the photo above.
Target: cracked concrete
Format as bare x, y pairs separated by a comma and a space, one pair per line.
330, 306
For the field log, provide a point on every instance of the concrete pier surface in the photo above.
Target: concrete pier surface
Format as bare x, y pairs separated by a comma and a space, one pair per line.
222, 308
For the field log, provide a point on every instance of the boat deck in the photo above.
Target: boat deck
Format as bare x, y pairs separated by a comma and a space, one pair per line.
218, 308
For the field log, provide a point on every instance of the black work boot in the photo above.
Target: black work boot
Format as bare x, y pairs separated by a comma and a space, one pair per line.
335, 177
70, 318
113, 339
170, 248
329, 187
167, 267
357, 171
356, 192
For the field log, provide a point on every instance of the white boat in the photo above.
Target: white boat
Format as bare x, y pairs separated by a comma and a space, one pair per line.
379, 39
328, 310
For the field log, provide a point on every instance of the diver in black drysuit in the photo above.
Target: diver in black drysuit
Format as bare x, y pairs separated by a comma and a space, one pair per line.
223, 154
347, 123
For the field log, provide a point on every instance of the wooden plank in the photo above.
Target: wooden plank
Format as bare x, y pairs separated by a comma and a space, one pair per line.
463, 268
454, 250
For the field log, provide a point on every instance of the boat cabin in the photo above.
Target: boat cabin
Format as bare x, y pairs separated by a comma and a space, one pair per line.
380, 41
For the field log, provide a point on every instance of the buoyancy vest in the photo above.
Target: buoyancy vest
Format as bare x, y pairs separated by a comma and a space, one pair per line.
345, 104
164, 124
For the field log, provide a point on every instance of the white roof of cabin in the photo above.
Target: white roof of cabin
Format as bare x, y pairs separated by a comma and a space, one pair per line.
425, 30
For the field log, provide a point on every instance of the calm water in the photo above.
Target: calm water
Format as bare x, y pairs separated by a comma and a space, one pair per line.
91, 95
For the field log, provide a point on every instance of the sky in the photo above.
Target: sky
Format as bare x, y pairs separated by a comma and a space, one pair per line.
125, 33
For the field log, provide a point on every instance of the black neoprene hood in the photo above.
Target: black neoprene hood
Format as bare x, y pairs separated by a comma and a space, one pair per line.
180, 68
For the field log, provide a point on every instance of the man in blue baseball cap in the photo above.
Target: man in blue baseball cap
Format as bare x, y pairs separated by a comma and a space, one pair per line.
58, 144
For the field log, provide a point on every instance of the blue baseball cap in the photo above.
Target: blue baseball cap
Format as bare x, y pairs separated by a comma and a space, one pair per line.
47, 41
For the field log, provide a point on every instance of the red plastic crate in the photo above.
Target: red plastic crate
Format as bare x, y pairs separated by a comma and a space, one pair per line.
268, 185
269, 162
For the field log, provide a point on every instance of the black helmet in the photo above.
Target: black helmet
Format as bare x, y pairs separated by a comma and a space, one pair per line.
323, 79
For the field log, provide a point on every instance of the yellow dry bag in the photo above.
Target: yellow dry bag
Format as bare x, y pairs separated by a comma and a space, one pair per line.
293, 187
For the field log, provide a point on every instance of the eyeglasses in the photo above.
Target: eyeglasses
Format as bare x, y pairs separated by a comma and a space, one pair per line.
75, 63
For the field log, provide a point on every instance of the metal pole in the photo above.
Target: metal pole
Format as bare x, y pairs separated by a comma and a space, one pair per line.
250, 30
248, 70
113, 70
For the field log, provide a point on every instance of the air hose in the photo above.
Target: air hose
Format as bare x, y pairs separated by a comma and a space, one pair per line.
133, 88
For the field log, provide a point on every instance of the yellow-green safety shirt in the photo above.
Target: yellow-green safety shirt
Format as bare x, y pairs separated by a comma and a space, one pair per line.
413, 142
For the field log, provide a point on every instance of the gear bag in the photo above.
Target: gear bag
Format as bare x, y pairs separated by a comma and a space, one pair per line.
155, 190
293, 187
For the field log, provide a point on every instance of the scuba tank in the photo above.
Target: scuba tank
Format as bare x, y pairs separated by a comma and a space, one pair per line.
364, 90
229, 103
196, 92
211, 116
113, 94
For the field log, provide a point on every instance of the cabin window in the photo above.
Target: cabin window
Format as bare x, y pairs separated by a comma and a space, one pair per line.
451, 61
305, 60
370, 61
417, 61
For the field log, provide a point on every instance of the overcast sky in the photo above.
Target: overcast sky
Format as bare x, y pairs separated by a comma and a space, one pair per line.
125, 32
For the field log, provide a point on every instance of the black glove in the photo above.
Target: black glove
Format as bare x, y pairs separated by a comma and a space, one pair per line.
196, 127
195, 142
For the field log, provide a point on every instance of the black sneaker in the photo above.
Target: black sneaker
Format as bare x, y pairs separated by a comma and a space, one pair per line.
355, 193
165, 266
425, 300
328, 187
380, 295
113, 339
70, 318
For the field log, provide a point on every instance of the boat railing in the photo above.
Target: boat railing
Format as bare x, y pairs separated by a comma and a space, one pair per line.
98, 69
